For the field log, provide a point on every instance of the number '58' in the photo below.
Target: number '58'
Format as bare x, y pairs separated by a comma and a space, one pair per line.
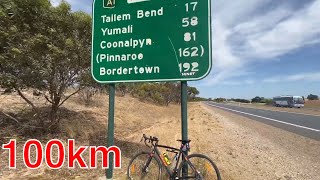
189, 21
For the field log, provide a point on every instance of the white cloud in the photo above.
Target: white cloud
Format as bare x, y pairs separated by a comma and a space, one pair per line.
297, 31
76, 5
245, 32
239, 82
234, 12
55, 3
314, 77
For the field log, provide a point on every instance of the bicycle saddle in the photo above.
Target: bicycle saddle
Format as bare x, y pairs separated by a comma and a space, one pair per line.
183, 142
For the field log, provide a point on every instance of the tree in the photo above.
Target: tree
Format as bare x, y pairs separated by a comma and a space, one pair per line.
219, 100
268, 101
192, 92
122, 88
257, 99
44, 48
161, 93
313, 97
169, 91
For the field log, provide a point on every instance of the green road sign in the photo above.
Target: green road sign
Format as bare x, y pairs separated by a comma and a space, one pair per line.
150, 40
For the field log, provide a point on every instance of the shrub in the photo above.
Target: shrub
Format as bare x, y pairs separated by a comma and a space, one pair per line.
312, 97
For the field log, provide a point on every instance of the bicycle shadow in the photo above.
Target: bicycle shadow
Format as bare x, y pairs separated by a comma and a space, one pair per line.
128, 149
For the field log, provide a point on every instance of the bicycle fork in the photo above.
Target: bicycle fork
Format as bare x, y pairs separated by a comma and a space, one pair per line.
145, 168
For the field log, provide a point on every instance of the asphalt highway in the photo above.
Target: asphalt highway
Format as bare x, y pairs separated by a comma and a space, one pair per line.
302, 124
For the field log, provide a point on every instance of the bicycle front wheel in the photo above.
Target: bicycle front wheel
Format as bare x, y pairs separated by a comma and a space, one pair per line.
199, 167
143, 166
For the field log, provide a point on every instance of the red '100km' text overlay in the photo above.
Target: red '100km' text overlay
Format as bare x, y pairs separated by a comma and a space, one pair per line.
70, 154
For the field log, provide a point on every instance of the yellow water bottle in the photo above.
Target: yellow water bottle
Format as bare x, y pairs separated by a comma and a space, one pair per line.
166, 158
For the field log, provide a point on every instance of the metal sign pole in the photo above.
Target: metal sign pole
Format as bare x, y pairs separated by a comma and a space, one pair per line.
110, 137
184, 117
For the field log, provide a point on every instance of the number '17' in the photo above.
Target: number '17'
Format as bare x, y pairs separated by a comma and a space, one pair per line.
192, 5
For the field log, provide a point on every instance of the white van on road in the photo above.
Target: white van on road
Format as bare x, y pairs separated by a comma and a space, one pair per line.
289, 101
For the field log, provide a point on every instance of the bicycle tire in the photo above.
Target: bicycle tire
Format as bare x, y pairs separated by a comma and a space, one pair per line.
137, 163
206, 167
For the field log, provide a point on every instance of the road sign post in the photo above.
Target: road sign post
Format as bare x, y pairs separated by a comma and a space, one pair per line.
110, 135
184, 118
184, 110
151, 40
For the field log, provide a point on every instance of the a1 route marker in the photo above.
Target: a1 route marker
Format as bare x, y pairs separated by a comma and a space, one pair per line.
151, 40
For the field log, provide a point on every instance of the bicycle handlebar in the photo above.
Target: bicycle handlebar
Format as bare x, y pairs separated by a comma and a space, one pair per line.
150, 140
154, 141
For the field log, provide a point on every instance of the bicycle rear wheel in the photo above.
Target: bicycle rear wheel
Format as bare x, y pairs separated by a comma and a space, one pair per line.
144, 167
205, 169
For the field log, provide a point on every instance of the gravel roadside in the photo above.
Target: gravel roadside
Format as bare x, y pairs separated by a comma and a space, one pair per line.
252, 150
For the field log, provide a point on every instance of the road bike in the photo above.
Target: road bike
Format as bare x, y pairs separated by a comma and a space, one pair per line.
149, 165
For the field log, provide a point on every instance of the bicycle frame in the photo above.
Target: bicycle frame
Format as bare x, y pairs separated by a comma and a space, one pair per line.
172, 173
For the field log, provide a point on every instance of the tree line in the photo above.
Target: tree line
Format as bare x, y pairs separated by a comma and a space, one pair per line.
259, 99
161, 93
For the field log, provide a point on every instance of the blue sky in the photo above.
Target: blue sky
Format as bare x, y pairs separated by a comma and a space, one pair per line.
260, 47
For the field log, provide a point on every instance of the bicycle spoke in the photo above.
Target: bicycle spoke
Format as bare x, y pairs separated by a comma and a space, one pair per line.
200, 168
140, 170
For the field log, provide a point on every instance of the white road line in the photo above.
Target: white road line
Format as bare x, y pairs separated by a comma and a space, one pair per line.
270, 119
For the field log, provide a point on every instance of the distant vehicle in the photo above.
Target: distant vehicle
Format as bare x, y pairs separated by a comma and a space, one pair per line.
289, 101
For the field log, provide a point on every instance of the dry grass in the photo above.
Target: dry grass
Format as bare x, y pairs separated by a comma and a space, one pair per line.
313, 104
239, 146
88, 124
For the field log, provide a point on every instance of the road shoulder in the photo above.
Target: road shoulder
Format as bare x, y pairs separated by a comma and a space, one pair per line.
260, 151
